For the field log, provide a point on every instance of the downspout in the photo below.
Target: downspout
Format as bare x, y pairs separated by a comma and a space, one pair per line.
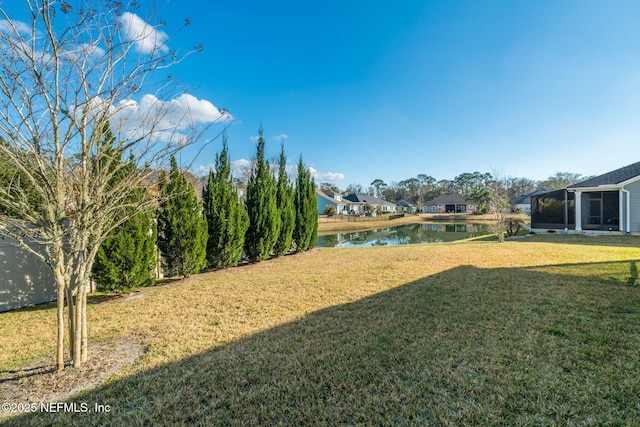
628, 214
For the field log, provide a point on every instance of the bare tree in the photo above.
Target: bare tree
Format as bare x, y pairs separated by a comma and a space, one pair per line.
498, 208
70, 77
353, 188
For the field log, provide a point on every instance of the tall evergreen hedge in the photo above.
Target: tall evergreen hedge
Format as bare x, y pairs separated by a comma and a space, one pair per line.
15, 185
182, 228
226, 214
127, 258
305, 233
264, 219
284, 201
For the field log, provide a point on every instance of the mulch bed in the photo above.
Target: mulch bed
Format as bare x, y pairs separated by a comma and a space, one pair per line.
40, 382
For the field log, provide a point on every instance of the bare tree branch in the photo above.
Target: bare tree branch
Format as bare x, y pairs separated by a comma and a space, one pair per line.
71, 105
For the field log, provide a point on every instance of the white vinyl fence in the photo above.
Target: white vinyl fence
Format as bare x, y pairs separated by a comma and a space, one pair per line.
24, 279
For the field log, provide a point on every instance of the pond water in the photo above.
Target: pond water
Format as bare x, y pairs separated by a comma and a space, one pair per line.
407, 234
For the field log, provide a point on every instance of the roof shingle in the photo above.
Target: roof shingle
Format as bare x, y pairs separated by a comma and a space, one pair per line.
611, 178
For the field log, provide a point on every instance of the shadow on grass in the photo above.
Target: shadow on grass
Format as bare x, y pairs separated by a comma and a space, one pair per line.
633, 273
467, 346
20, 374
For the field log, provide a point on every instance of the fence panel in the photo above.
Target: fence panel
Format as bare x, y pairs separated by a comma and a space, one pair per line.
357, 218
24, 279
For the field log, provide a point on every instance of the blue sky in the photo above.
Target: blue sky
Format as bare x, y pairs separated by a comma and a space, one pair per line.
367, 89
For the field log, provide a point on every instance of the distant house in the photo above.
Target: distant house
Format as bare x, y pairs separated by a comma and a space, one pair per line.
449, 203
608, 202
342, 206
523, 203
405, 206
367, 199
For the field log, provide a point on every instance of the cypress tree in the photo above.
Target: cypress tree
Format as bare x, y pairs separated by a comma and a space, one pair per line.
182, 229
264, 219
305, 233
284, 200
14, 183
227, 217
127, 258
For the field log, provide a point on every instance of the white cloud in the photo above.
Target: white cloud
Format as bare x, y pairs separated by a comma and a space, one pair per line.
147, 38
21, 33
203, 170
85, 50
21, 42
163, 120
292, 170
238, 168
275, 138
325, 176
12, 26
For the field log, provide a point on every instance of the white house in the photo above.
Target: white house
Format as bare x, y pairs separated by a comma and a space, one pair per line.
367, 199
342, 206
448, 203
523, 203
608, 202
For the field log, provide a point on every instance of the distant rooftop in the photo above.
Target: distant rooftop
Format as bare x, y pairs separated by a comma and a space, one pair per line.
367, 198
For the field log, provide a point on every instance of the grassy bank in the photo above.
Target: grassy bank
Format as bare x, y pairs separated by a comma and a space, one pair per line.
538, 331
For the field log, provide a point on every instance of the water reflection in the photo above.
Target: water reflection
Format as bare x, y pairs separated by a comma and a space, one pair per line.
404, 235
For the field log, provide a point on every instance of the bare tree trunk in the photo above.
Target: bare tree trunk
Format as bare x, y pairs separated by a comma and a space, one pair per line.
59, 277
60, 344
85, 342
76, 339
70, 315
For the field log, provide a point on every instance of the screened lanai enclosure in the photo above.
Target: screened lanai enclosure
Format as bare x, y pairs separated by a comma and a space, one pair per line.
599, 210
553, 210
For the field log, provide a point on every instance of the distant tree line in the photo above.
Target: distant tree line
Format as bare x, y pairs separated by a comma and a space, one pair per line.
219, 231
474, 186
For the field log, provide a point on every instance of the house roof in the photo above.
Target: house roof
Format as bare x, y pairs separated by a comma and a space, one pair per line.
449, 199
367, 198
405, 203
327, 192
611, 178
525, 199
320, 193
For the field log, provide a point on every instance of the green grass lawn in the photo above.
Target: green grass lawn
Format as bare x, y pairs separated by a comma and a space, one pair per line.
537, 331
